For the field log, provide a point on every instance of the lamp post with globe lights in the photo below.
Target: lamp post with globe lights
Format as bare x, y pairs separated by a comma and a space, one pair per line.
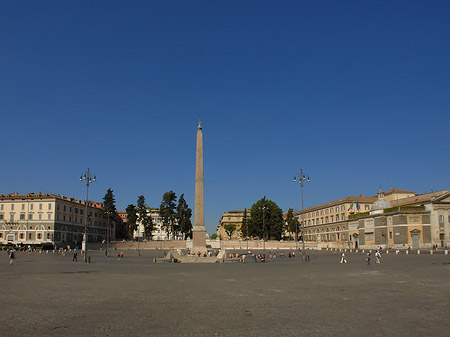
89, 180
301, 178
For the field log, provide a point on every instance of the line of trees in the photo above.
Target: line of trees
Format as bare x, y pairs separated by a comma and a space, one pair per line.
176, 217
266, 221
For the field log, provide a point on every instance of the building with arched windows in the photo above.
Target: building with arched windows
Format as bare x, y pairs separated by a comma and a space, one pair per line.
37, 219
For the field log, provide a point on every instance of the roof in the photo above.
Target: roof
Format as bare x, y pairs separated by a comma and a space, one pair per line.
360, 199
17, 196
421, 198
393, 190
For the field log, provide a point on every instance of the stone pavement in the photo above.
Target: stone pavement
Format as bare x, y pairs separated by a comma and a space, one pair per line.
49, 295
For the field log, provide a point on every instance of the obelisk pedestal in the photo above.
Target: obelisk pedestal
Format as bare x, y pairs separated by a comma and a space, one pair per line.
199, 230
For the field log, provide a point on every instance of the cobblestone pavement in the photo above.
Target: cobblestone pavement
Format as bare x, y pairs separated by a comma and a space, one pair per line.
49, 295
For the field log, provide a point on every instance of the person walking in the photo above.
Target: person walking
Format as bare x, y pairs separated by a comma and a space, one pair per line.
343, 259
75, 256
11, 256
368, 258
378, 256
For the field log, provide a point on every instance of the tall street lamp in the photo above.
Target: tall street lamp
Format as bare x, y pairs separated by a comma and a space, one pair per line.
264, 207
89, 180
301, 178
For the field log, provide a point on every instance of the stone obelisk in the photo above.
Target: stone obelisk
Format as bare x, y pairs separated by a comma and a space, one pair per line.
199, 230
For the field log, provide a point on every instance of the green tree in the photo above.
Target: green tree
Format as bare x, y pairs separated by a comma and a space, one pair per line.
131, 218
292, 223
109, 211
183, 217
144, 217
266, 220
244, 226
229, 229
214, 237
167, 212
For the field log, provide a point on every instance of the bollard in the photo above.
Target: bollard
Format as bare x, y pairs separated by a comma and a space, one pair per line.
446, 252
407, 252
431, 251
418, 251
387, 252
396, 252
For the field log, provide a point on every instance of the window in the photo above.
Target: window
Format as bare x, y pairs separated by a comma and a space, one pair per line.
326, 211
321, 212
48, 236
40, 216
390, 235
23, 207
1, 216
326, 219
11, 217
367, 207
57, 216
29, 236
31, 207
39, 236
337, 217
332, 218
49, 216
12, 207
57, 207
441, 219
30, 216
81, 211
21, 236
1, 207
76, 210
331, 211
40, 206
70, 218
1, 235
64, 208
22, 216
337, 209
64, 218
70, 209
49, 206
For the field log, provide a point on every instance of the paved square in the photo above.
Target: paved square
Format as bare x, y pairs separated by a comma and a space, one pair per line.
49, 295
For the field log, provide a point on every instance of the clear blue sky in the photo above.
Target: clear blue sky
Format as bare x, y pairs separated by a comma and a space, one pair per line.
354, 92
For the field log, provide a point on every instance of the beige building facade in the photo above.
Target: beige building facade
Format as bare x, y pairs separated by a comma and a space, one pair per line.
36, 219
395, 219
231, 218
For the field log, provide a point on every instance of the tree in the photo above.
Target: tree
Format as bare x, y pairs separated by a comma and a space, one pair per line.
167, 212
132, 218
292, 223
244, 226
183, 217
144, 217
229, 229
272, 224
109, 210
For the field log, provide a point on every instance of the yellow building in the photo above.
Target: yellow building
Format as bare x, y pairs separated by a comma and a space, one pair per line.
231, 218
48, 219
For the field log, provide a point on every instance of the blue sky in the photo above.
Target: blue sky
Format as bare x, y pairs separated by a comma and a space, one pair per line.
354, 92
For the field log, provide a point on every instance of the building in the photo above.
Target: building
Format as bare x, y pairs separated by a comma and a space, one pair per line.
395, 219
36, 219
231, 218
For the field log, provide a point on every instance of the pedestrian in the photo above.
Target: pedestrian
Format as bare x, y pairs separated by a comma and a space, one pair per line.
121, 255
118, 256
12, 256
75, 256
343, 259
368, 258
378, 256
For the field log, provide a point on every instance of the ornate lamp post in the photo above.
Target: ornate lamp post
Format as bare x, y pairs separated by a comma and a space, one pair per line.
89, 180
264, 207
302, 177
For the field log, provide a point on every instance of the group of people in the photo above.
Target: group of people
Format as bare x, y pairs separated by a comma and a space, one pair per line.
368, 257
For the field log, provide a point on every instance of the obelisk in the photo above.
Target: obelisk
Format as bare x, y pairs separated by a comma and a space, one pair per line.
199, 230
